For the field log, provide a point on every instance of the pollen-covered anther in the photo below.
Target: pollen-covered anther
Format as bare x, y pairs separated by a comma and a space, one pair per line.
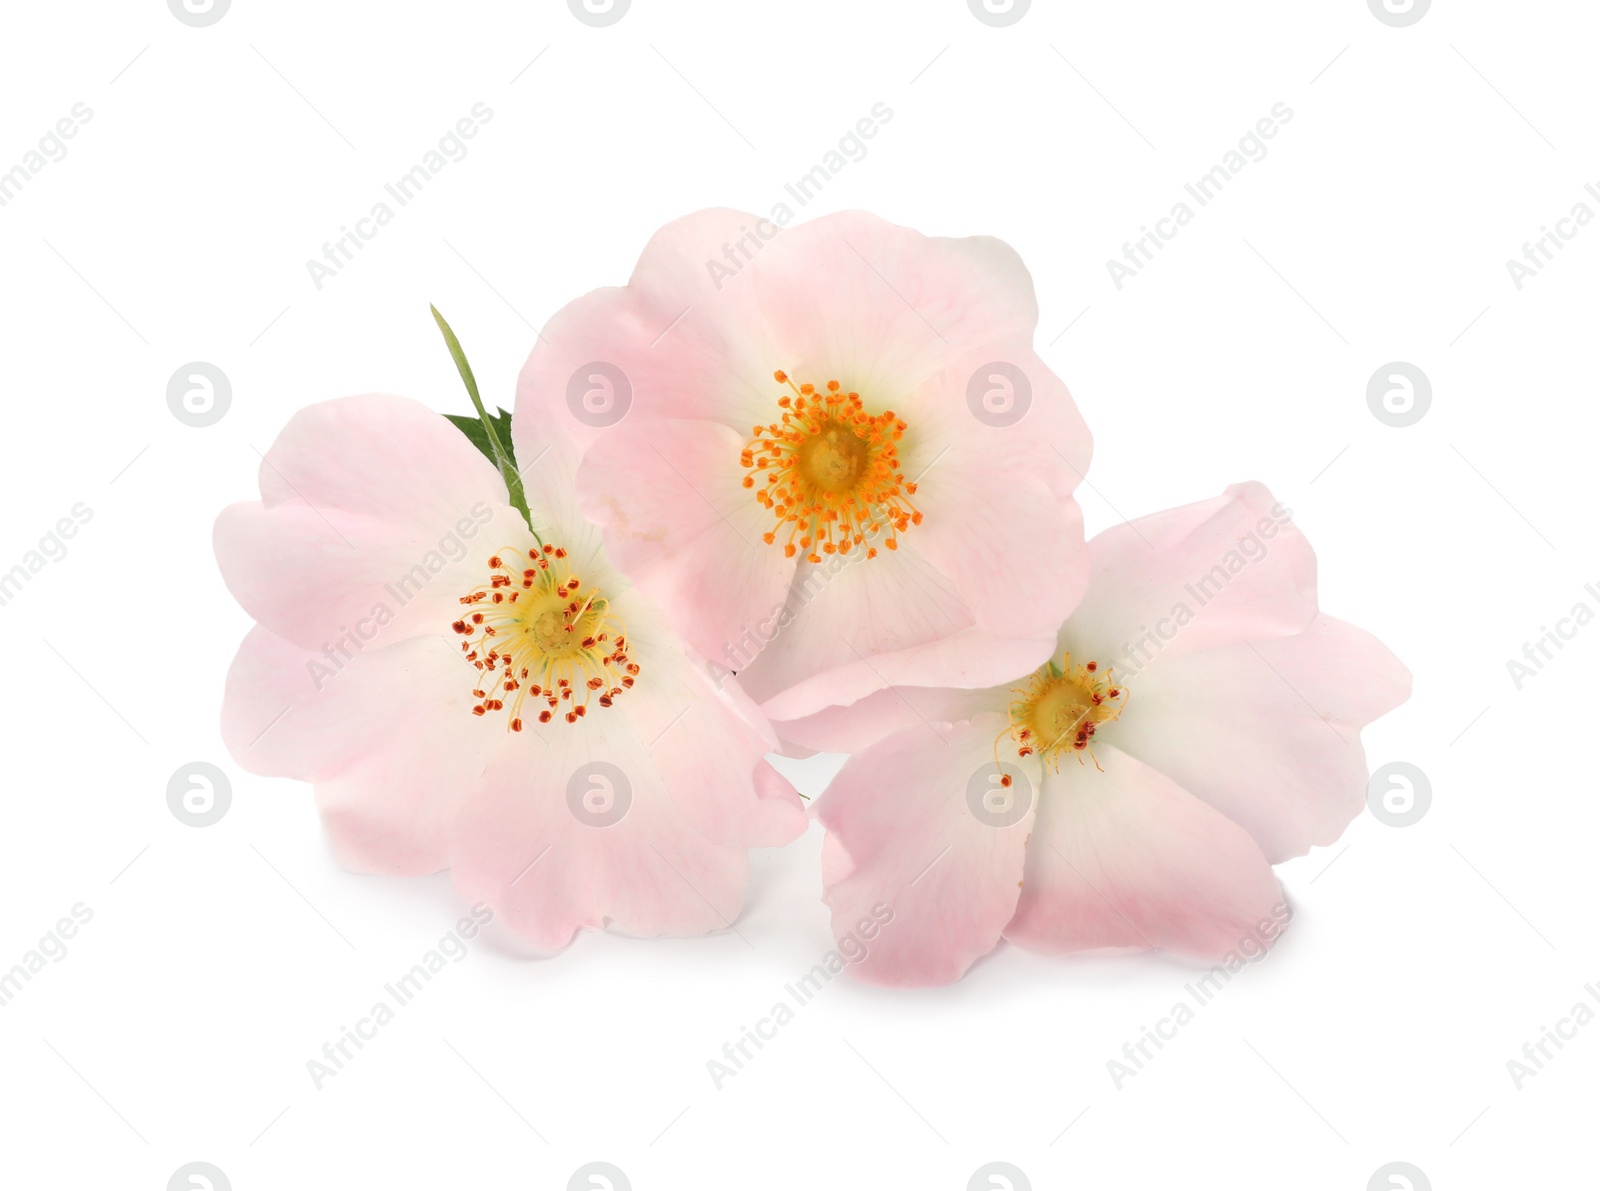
830, 473
1061, 708
551, 639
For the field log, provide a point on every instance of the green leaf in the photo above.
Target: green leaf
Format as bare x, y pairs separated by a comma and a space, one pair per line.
472, 427
496, 439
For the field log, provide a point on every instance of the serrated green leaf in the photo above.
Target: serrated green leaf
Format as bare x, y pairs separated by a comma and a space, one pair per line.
472, 427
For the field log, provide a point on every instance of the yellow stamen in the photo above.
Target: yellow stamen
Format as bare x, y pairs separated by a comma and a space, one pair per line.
1061, 708
533, 632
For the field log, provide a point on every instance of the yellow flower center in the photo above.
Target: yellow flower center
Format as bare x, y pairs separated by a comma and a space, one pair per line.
1060, 709
830, 473
533, 632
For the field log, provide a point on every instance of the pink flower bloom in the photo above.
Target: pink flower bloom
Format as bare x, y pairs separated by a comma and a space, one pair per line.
830, 453
460, 697
1199, 723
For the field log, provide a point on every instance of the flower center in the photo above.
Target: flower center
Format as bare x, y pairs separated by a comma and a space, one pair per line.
830, 473
533, 632
1060, 708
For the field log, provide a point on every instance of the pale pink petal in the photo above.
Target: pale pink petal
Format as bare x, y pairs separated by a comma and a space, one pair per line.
732, 692
970, 657
275, 684
548, 872
390, 458
1012, 546
679, 522
547, 460
386, 736
293, 712
708, 747
879, 307
685, 338
1127, 858
849, 628
1230, 569
850, 728
835, 862
326, 579
377, 515
999, 402
940, 882
1269, 732
393, 811
778, 791
721, 299
849, 608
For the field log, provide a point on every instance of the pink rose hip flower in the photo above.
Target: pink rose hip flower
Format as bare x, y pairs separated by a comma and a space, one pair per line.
1199, 723
461, 695
829, 452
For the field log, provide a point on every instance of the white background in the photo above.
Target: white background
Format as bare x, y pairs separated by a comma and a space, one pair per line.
219, 960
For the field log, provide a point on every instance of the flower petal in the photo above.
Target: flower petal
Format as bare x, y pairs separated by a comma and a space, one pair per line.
636, 862
390, 458
683, 336
851, 628
1269, 733
850, 728
386, 736
1127, 858
679, 523
879, 307
548, 459
1226, 570
376, 515
914, 858
1011, 545
709, 748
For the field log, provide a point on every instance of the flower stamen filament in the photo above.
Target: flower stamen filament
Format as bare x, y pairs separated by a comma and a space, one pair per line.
831, 473
531, 634
1060, 709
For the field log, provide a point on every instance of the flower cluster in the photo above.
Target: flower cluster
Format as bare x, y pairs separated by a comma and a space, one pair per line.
826, 504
